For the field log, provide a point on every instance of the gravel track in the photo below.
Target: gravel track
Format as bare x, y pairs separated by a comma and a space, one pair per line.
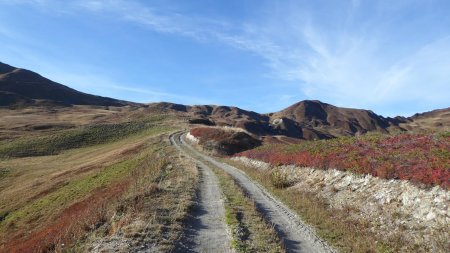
295, 234
206, 230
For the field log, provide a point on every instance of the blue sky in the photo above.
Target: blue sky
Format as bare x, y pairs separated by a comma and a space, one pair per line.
392, 57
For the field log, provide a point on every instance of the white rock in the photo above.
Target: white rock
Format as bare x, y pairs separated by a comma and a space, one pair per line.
191, 138
431, 215
423, 212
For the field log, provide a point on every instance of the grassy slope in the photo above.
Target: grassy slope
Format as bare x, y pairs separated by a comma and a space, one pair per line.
50, 204
94, 160
74, 138
36, 121
31, 177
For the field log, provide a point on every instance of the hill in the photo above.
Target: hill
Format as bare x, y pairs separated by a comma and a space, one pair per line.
253, 122
436, 120
319, 119
309, 120
20, 87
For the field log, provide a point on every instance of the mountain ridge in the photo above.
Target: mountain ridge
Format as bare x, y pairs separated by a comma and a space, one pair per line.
307, 119
28, 87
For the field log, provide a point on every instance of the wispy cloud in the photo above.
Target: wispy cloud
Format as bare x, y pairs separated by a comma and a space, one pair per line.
334, 65
340, 58
102, 85
158, 96
199, 28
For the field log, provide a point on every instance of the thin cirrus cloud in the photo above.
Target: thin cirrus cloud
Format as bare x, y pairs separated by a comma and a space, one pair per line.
333, 65
77, 76
130, 92
359, 72
374, 54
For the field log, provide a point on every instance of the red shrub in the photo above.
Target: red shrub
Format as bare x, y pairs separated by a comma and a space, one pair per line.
71, 224
419, 158
210, 133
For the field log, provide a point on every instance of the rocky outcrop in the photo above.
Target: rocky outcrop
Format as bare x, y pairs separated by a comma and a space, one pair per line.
223, 141
202, 121
192, 138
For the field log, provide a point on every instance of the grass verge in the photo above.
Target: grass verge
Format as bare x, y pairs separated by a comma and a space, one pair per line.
250, 231
152, 212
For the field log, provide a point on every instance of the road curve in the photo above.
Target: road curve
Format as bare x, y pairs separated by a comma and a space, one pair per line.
206, 230
296, 235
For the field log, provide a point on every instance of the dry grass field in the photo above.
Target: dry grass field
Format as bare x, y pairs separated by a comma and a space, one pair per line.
97, 178
65, 172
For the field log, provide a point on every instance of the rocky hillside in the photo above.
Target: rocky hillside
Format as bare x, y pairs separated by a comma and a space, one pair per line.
222, 141
327, 119
20, 87
312, 119
307, 120
436, 120
221, 116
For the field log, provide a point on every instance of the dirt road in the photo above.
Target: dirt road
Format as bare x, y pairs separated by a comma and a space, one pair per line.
297, 236
206, 230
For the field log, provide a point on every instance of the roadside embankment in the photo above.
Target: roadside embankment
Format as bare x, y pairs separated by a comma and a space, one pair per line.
401, 215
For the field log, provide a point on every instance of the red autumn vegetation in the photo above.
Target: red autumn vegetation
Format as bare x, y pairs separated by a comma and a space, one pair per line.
210, 133
420, 158
74, 222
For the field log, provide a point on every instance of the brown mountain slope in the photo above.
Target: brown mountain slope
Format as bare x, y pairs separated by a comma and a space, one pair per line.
24, 87
9, 98
305, 120
436, 120
253, 122
309, 120
329, 119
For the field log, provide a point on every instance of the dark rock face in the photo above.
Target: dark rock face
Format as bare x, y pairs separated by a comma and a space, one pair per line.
287, 127
239, 142
224, 142
202, 121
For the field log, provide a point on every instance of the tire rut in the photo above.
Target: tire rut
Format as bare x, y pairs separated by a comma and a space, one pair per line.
205, 230
295, 234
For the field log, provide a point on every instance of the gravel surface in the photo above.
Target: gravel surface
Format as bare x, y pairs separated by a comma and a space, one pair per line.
206, 230
296, 235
